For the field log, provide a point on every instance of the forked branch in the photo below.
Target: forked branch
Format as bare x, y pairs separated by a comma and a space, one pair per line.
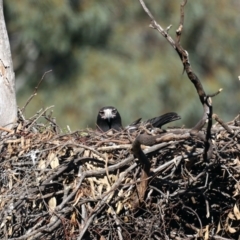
184, 56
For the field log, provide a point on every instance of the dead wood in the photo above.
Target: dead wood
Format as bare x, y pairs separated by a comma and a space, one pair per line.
173, 184
83, 186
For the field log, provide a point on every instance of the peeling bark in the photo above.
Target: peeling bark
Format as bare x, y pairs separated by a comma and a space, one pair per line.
8, 105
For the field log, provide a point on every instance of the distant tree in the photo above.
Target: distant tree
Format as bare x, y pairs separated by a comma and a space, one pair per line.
8, 105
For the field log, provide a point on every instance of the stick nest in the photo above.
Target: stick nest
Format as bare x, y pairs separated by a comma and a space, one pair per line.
90, 185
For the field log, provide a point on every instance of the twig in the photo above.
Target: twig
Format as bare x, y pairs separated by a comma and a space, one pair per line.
29, 127
199, 220
35, 91
224, 125
6, 130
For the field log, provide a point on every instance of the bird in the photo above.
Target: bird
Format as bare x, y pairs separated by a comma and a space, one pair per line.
156, 122
109, 118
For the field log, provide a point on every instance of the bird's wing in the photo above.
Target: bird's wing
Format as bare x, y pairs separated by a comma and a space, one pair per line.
157, 122
134, 124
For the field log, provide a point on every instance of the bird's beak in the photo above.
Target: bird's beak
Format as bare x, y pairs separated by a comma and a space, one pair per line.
108, 114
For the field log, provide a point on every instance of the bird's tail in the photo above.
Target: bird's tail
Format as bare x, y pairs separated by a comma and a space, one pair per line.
157, 122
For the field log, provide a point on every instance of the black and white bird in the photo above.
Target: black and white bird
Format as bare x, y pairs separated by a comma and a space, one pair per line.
109, 118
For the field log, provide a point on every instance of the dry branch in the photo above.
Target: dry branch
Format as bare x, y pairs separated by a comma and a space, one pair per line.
79, 186
184, 56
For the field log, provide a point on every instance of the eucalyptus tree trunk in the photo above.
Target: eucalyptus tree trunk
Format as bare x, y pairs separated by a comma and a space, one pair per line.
8, 105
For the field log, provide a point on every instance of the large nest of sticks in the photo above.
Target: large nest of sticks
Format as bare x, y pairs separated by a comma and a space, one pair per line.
93, 185
147, 184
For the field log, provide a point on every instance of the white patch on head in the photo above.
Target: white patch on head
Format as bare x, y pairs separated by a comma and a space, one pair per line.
108, 113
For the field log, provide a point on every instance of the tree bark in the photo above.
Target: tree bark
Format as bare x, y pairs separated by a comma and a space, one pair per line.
8, 105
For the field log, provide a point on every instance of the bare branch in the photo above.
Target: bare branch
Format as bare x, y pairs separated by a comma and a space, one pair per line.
35, 91
183, 54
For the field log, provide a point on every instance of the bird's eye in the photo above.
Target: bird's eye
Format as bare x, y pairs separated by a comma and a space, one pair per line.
114, 110
101, 113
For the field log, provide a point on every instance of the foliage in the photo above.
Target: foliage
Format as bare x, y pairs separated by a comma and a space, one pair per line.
105, 54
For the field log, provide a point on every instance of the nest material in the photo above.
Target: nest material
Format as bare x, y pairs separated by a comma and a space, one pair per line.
89, 185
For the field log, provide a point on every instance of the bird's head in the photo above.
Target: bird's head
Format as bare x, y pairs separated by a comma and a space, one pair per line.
109, 118
108, 113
